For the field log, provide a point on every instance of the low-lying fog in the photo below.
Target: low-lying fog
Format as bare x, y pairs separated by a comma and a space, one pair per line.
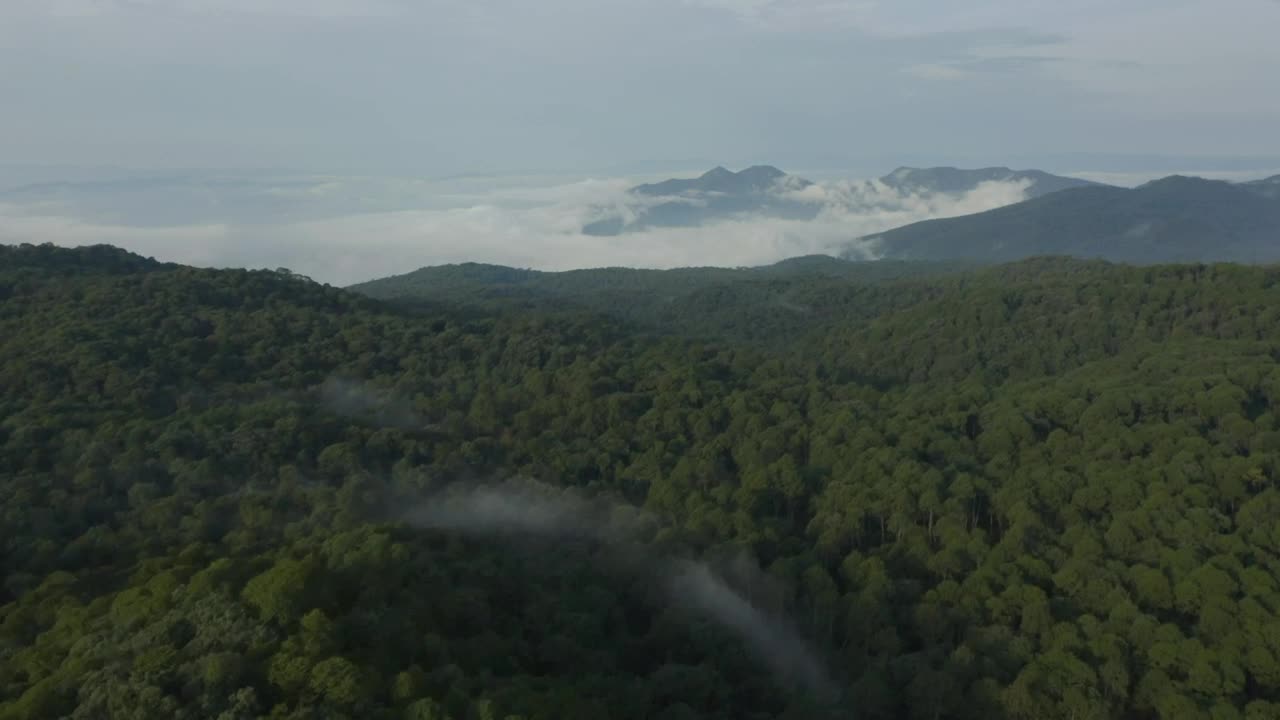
343, 230
347, 229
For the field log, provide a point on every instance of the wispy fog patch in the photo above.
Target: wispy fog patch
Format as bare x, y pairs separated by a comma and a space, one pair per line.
1140, 230
354, 399
874, 199
527, 508
769, 637
344, 230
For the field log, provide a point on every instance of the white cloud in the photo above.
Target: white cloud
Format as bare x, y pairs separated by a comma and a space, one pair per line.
534, 224
188, 244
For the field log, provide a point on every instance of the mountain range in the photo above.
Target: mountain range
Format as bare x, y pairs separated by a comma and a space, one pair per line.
715, 195
920, 181
1175, 219
766, 191
755, 179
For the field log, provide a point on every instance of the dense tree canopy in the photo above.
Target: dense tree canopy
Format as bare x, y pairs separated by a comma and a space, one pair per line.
1044, 490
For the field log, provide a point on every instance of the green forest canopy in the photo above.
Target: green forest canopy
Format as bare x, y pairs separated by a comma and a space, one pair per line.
1040, 490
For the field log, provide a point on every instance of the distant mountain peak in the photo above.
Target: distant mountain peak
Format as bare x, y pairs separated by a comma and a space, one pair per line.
947, 179
1171, 180
719, 179
1180, 186
718, 193
766, 171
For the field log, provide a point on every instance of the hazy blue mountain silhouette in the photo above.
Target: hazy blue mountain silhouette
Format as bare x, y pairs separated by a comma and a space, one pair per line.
717, 194
1175, 219
956, 180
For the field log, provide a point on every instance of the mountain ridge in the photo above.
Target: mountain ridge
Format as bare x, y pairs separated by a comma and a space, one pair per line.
948, 179
763, 190
716, 194
1171, 219
757, 178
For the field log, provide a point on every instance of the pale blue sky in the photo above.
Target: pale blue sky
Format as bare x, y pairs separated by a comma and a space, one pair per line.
440, 87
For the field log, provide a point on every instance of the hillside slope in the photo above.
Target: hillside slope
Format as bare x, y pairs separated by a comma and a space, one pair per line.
767, 305
1041, 490
1177, 219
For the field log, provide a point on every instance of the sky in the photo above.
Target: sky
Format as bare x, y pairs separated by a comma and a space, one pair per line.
353, 139
439, 88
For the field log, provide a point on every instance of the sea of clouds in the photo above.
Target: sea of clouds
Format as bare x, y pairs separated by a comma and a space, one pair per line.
347, 229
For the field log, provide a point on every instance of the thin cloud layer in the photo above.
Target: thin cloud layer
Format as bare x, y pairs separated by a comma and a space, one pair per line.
347, 230
453, 86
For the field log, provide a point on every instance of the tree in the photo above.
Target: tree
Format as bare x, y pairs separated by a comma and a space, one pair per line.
338, 680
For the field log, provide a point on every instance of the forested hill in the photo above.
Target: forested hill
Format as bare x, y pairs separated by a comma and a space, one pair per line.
450, 282
765, 305
1176, 219
48, 260
1037, 491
